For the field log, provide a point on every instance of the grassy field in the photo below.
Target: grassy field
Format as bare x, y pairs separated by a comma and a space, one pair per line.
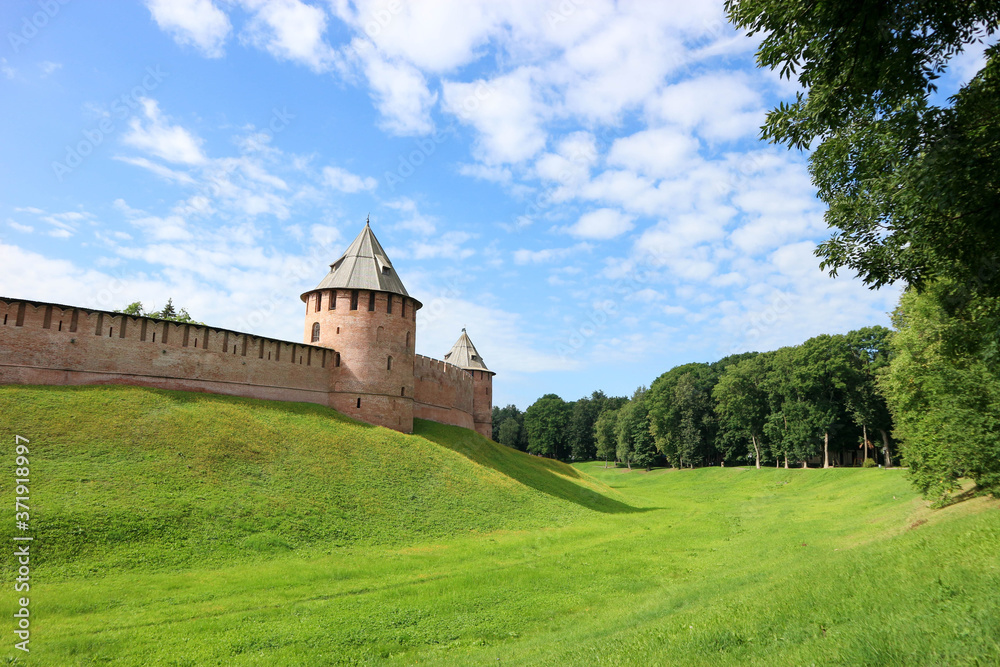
187, 529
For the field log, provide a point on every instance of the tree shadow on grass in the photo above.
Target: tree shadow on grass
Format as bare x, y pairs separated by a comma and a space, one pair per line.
541, 474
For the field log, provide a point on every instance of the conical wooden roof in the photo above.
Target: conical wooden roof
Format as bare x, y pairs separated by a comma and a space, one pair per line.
363, 266
464, 355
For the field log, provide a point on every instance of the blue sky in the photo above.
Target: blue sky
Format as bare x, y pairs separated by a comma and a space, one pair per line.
577, 183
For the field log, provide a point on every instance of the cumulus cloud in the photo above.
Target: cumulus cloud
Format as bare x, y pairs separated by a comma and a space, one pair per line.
720, 106
290, 30
156, 135
196, 23
602, 224
399, 90
345, 181
505, 111
657, 153
547, 255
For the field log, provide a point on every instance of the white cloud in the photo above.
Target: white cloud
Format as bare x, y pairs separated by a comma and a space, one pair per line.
448, 245
160, 170
290, 30
720, 106
172, 143
165, 228
345, 181
414, 221
197, 23
415, 31
547, 255
27, 229
656, 153
505, 111
602, 224
398, 89
49, 67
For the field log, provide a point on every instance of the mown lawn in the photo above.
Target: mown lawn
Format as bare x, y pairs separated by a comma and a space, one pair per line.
516, 560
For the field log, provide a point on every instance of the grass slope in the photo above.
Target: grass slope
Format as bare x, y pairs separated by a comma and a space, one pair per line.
128, 477
545, 566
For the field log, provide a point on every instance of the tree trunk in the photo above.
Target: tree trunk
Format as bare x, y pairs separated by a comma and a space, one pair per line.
786, 461
628, 462
756, 450
885, 448
826, 449
864, 435
805, 464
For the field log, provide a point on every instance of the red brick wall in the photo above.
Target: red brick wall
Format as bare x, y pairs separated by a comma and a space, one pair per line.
444, 392
64, 345
482, 402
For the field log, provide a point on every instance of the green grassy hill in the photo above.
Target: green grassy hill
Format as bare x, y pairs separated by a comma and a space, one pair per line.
186, 529
127, 477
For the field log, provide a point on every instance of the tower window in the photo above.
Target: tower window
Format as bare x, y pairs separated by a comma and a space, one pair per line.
315, 333
402, 391
388, 305
333, 300
371, 301
407, 341
354, 299
319, 301
402, 308
336, 360
388, 365
359, 401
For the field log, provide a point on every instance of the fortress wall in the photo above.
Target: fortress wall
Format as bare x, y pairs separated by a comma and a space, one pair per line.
483, 402
44, 343
443, 392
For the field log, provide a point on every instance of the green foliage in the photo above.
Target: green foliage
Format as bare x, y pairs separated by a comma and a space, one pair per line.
681, 414
741, 405
546, 422
604, 435
869, 463
501, 415
634, 440
582, 445
912, 188
168, 312
943, 388
509, 433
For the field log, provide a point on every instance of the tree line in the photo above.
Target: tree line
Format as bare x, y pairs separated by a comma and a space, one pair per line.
820, 401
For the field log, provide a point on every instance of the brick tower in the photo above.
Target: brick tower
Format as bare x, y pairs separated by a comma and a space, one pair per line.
464, 355
362, 311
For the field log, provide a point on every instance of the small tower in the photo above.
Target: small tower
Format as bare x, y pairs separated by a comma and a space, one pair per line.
464, 355
362, 311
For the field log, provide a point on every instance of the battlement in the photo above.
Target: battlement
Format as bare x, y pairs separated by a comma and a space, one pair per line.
51, 343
